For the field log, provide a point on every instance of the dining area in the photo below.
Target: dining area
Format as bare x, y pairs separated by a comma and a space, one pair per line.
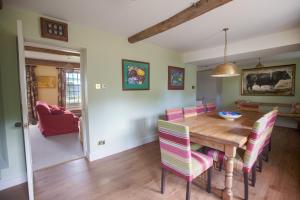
232, 143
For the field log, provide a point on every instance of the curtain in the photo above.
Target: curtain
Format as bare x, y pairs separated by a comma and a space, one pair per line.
32, 91
61, 87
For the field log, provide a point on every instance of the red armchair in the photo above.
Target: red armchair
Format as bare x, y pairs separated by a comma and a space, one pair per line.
55, 123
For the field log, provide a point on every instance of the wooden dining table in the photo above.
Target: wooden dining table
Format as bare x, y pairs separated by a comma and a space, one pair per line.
211, 130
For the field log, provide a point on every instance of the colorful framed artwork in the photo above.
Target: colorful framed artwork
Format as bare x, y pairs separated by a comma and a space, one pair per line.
46, 81
135, 75
269, 81
175, 78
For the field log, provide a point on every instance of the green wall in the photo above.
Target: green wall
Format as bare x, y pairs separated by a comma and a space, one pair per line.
123, 118
231, 88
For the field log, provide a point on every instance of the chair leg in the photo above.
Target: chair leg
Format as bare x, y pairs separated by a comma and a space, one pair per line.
246, 185
270, 144
220, 165
253, 180
163, 180
188, 190
260, 163
209, 180
266, 152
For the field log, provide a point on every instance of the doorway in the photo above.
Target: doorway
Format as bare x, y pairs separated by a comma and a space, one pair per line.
54, 96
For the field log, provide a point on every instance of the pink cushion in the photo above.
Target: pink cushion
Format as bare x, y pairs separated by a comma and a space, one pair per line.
55, 110
42, 107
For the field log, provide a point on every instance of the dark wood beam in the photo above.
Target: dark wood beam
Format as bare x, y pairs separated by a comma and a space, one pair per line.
51, 51
1, 4
189, 13
31, 61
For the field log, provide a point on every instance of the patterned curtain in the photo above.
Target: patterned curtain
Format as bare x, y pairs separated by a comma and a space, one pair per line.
61, 87
32, 91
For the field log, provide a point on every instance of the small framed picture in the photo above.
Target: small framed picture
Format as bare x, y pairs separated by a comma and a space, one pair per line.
175, 78
135, 75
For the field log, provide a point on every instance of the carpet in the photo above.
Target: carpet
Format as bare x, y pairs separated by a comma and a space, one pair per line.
53, 150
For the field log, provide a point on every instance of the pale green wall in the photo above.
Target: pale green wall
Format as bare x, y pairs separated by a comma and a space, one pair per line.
231, 88
122, 118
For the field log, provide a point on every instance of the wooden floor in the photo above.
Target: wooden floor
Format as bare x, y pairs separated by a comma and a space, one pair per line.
135, 175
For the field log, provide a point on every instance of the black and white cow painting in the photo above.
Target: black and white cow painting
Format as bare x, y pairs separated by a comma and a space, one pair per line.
277, 80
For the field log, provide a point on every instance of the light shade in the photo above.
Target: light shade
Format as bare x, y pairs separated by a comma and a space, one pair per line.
225, 70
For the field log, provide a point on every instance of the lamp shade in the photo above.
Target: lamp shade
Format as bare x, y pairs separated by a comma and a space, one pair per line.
225, 70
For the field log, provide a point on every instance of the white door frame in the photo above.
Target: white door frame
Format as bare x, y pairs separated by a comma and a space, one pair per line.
25, 121
22, 80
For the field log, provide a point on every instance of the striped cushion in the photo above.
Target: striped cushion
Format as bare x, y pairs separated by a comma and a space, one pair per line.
189, 112
176, 154
174, 114
210, 107
200, 109
261, 132
249, 106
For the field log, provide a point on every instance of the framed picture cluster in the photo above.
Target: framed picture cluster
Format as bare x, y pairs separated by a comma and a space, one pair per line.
136, 76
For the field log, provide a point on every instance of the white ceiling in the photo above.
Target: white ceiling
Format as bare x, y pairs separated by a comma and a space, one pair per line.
245, 18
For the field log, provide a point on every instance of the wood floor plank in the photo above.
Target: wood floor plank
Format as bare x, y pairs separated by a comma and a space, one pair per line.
135, 175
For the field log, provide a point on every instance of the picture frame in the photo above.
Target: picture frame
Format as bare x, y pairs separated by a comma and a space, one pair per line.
269, 81
46, 81
53, 29
176, 78
135, 75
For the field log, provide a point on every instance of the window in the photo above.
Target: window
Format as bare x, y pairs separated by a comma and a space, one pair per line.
73, 97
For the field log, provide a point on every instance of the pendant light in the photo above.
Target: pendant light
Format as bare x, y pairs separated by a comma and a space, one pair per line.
259, 65
226, 69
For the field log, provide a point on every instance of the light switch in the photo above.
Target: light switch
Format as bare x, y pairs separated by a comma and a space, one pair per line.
98, 86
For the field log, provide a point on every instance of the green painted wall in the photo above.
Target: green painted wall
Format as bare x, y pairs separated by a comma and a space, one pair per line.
231, 88
123, 118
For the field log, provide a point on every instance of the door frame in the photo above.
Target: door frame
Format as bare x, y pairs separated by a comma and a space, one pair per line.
84, 95
84, 100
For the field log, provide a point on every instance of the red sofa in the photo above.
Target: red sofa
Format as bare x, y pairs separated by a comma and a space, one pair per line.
55, 123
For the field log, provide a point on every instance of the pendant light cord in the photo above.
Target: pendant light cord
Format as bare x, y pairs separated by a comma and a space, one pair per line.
225, 48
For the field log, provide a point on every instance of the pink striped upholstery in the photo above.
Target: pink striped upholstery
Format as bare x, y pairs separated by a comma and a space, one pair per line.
249, 106
210, 107
174, 114
200, 109
189, 112
176, 154
259, 137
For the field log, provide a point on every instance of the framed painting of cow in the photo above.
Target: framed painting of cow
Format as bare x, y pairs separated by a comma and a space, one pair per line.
269, 81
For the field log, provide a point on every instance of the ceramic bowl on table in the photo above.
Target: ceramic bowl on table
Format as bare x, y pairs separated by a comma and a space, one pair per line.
228, 115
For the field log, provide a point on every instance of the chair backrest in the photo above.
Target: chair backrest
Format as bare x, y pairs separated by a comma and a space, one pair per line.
271, 119
174, 114
210, 107
190, 111
174, 140
200, 109
262, 128
249, 106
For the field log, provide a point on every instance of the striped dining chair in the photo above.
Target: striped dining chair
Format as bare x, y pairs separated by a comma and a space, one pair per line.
177, 114
178, 158
174, 114
200, 109
245, 161
189, 111
210, 107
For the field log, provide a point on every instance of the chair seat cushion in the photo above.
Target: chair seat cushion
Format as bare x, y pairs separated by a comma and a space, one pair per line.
195, 146
200, 163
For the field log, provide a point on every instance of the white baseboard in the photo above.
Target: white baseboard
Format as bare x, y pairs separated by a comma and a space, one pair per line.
108, 151
4, 184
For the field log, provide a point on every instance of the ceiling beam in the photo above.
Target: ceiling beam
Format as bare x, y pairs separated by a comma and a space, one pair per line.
1, 4
189, 13
51, 51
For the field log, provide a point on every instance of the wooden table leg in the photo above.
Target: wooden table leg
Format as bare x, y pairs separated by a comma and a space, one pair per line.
230, 152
